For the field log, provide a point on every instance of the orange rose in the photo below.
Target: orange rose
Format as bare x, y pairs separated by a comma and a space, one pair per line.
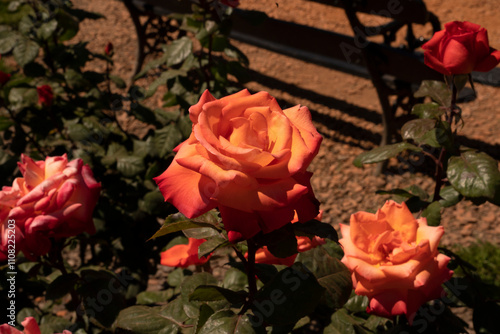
30, 327
54, 199
248, 157
462, 47
394, 259
184, 255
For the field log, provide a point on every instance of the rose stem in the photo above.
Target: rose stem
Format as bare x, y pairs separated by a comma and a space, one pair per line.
56, 259
442, 154
250, 271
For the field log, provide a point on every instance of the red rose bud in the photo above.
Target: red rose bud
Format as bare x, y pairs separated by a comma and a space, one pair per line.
109, 49
462, 47
4, 77
231, 3
45, 95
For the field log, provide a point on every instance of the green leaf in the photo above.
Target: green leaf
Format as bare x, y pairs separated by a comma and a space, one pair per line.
357, 303
153, 297
119, 82
166, 139
292, 294
61, 286
474, 174
416, 128
171, 227
437, 90
8, 40
281, 243
20, 97
5, 123
152, 203
78, 132
428, 110
69, 25
144, 320
201, 233
382, 153
115, 151
332, 274
47, 29
189, 286
344, 323
315, 227
51, 324
449, 196
235, 279
75, 79
27, 312
130, 166
264, 272
25, 51
226, 321
211, 245
210, 293
205, 313
433, 214
162, 80
179, 50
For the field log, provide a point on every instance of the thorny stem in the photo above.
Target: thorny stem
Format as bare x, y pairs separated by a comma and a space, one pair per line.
440, 162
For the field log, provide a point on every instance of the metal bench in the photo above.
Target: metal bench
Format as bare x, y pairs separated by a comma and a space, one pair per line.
393, 70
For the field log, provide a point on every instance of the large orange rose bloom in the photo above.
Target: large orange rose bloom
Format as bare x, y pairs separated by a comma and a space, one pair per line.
248, 157
394, 260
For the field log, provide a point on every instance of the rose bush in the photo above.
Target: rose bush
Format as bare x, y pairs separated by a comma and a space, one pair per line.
30, 327
462, 47
394, 259
248, 157
184, 255
54, 199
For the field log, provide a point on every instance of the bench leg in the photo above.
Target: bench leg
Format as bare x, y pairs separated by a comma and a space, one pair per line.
141, 35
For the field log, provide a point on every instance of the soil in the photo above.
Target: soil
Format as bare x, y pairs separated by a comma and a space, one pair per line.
345, 108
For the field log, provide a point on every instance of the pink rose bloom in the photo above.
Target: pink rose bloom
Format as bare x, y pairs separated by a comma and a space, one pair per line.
394, 260
54, 199
248, 157
30, 327
462, 47
184, 255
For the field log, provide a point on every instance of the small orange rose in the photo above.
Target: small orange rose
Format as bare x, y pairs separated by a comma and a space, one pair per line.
394, 260
184, 255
